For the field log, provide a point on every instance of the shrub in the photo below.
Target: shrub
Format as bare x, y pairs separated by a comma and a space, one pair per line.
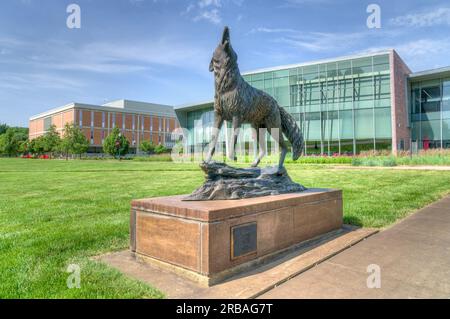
153, 158
147, 147
161, 149
116, 144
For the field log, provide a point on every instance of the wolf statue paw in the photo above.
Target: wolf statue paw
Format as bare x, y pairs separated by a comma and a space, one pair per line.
255, 164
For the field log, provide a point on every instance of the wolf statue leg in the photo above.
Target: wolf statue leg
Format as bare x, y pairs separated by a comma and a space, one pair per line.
261, 136
277, 136
234, 137
218, 121
283, 153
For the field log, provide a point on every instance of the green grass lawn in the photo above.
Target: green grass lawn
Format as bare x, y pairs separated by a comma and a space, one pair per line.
56, 213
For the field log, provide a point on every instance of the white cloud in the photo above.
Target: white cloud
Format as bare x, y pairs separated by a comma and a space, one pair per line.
271, 30
209, 10
189, 8
419, 54
312, 41
212, 16
107, 57
301, 3
207, 3
25, 81
438, 16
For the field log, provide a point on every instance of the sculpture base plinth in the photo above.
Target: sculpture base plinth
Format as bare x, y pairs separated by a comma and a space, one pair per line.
226, 182
209, 241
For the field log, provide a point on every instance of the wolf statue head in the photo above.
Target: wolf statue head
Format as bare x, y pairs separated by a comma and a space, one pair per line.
224, 56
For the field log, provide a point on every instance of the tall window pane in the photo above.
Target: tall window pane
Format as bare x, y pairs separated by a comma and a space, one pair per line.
346, 124
364, 124
383, 123
313, 126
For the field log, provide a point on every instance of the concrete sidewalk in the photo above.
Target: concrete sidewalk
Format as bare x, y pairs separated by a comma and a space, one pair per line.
413, 256
400, 167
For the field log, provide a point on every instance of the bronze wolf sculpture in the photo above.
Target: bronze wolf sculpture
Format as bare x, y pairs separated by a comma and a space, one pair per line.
236, 101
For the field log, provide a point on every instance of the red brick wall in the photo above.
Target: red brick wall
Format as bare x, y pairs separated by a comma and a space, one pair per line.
155, 120
119, 120
98, 119
87, 133
146, 123
399, 108
98, 136
87, 118
68, 117
128, 121
57, 121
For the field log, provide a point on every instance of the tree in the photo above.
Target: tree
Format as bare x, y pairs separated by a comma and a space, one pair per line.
116, 144
37, 146
147, 147
24, 147
11, 140
161, 149
73, 141
3, 128
51, 140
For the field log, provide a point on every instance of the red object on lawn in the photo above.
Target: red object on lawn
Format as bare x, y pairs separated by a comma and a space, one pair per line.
426, 143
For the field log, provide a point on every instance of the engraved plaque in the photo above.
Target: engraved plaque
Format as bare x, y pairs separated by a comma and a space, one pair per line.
243, 240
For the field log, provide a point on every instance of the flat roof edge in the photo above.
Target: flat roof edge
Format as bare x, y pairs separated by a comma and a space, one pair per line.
190, 105
337, 59
51, 111
170, 112
430, 72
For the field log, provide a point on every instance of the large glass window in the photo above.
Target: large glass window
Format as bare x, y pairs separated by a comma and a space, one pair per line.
363, 65
446, 101
281, 91
313, 126
346, 94
346, 124
429, 111
431, 101
310, 73
415, 131
431, 133
364, 124
446, 129
383, 123
382, 87
47, 123
331, 119
381, 64
416, 104
345, 68
446, 133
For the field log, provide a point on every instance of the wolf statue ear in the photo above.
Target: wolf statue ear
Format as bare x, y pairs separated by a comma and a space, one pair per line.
226, 35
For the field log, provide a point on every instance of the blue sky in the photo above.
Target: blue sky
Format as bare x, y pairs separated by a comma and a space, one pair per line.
159, 50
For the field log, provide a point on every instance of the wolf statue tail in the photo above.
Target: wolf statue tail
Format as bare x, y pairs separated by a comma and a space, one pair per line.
292, 132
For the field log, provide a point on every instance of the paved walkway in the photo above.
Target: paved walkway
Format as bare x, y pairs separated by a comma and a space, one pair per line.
413, 257
399, 167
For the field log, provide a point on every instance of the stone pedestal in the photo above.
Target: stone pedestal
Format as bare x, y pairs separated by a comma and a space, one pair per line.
209, 241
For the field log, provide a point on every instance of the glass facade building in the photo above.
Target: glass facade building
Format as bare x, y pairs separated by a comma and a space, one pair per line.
430, 110
342, 106
347, 105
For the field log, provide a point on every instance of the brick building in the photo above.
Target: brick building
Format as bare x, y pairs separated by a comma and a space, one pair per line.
137, 120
